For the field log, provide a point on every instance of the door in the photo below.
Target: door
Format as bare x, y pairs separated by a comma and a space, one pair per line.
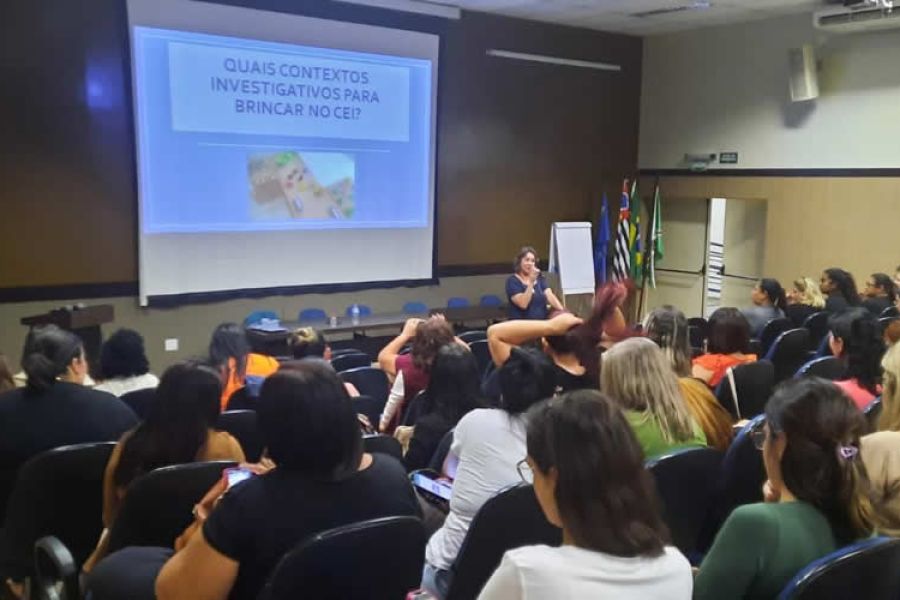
743, 250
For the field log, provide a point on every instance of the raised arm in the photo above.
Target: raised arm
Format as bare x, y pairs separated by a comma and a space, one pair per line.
503, 336
387, 358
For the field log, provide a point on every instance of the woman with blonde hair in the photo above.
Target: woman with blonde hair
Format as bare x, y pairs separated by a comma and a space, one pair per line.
668, 327
881, 450
804, 300
636, 374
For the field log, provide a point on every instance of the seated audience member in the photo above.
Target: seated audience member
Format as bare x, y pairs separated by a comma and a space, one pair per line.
54, 408
856, 340
123, 364
769, 303
6, 376
897, 277
881, 450
880, 293
816, 496
839, 289
178, 429
454, 389
589, 478
308, 342
570, 342
804, 299
487, 444
637, 376
323, 480
669, 329
230, 352
892, 333
728, 344
410, 371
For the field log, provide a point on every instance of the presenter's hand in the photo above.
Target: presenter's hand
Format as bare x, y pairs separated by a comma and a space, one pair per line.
563, 322
534, 275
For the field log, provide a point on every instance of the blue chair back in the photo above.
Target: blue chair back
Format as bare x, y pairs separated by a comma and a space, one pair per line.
890, 311
817, 324
364, 311
243, 425
258, 315
312, 315
369, 381
823, 349
872, 412
482, 353
788, 352
457, 302
350, 361
866, 569
754, 383
473, 335
415, 308
772, 330
490, 300
826, 367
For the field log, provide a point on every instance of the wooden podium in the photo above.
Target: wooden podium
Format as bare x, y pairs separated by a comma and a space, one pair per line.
83, 322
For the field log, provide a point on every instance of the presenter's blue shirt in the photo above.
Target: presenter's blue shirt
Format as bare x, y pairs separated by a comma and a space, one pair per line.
537, 308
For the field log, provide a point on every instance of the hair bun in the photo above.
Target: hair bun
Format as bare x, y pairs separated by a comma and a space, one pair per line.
41, 371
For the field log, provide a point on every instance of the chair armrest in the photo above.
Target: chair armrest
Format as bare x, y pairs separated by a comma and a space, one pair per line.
54, 564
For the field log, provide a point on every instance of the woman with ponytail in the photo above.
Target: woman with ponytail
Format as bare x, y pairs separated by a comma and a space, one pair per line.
817, 495
855, 339
769, 302
54, 408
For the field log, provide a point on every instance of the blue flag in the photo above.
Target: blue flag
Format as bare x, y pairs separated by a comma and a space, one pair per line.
601, 246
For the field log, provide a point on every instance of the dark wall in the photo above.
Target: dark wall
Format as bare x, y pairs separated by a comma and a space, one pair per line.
520, 145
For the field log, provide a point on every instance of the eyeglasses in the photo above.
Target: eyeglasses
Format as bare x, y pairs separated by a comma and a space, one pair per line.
525, 471
758, 435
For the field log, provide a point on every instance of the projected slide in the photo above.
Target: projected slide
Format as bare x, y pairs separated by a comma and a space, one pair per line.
245, 135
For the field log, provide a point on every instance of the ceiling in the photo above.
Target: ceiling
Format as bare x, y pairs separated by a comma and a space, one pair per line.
617, 15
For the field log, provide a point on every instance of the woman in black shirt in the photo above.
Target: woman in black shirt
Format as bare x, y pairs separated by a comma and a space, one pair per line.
839, 289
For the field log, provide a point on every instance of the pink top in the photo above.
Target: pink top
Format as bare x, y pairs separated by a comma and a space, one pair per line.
861, 396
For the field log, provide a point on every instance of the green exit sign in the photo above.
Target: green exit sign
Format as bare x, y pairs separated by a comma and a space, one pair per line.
728, 158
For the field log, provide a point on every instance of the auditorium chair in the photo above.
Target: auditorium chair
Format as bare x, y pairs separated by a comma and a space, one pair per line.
350, 361
823, 349
788, 353
369, 381
698, 332
440, 453
817, 325
380, 559
140, 401
883, 323
457, 302
312, 315
686, 482
890, 311
415, 308
158, 505
753, 382
58, 492
771, 331
865, 569
258, 315
490, 301
872, 413
482, 353
473, 335
240, 399
370, 407
335, 352
826, 367
511, 519
243, 425
383, 444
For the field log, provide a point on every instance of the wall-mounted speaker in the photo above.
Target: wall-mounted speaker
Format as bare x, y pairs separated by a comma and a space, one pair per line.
804, 80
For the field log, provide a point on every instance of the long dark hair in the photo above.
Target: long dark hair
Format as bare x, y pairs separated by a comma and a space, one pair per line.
606, 498
582, 340
774, 292
185, 407
846, 286
229, 340
668, 327
858, 329
308, 422
821, 464
47, 355
885, 282
454, 387
729, 332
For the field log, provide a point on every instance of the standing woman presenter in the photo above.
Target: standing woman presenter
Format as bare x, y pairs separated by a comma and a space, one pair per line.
526, 290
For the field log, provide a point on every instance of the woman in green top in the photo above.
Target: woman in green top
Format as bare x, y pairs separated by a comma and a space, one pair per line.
638, 376
816, 495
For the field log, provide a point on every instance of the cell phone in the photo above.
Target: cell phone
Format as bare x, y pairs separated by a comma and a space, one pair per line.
236, 475
440, 488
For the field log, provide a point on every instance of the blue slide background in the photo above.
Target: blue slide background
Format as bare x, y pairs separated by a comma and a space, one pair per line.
189, 186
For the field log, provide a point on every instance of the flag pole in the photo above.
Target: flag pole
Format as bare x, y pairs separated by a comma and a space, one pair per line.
648, 248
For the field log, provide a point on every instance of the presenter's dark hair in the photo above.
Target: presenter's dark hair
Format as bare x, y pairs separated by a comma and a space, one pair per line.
185, 408
729, 332
48, 353
605, 496
229, 341
846, 285
863, 344
122, 355
884, 281
774, 292
523, 252
308, 421
527, 377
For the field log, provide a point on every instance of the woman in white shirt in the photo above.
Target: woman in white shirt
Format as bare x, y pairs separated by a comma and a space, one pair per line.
487, 444
123, 364
589, 478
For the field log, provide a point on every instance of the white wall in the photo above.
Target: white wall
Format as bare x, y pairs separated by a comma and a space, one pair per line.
726, 89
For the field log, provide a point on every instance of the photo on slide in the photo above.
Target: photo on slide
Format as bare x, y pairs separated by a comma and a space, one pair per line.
301, 185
